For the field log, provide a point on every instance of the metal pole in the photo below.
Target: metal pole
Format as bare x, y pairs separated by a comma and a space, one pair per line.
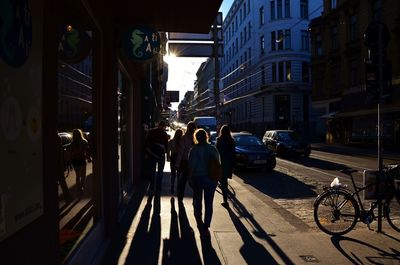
380, 162
216, 71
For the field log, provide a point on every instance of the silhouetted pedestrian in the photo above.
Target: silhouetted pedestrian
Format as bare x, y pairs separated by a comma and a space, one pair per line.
79, 153
202, 183
156, 147
226, 148
172, 154
183, 157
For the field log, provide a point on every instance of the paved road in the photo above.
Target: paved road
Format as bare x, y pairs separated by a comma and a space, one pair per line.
295, 182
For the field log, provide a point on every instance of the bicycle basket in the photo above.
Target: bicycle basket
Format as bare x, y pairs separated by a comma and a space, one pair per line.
393, 172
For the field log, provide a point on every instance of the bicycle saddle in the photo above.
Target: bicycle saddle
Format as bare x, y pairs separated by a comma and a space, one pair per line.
348, 171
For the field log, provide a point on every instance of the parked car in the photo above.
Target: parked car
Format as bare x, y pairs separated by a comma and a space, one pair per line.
286, 142
66, 140
252, 153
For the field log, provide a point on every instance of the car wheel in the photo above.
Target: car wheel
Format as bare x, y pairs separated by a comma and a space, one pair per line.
271, 164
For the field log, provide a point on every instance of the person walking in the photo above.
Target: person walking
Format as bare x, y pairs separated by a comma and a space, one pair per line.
156, 144
183, 157
79, 154
172, 153
202, 183
226, 148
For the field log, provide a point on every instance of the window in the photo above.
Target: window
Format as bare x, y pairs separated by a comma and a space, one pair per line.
353, 28
244, 10
273, 41
280, 39
305, 72
241, 39
334, 37
280, 72
333, 4
279, 8
288, 39
245, 34
305, 40
288, 71
377, 9
249, 26
262, 75
262, 44
287, 8
304, 9
273, 69
262, 21
318, 45
272, 5
237, 44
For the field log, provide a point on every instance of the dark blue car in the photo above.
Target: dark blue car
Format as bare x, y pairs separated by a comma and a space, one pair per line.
252, 153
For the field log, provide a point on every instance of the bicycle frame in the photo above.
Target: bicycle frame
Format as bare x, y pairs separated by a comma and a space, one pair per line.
357, 190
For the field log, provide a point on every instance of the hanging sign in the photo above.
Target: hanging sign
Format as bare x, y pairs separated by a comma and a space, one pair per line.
15, 31
74, 45
141, 43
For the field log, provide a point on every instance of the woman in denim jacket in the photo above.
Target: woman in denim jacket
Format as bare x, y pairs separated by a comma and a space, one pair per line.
199, 157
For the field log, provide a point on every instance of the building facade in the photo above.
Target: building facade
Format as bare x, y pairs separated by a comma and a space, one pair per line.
346, 112
203, 96
266, 65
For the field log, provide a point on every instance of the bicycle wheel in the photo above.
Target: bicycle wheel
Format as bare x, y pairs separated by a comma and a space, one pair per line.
336, 212
393, 212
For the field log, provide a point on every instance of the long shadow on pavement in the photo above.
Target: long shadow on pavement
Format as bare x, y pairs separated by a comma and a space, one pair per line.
277, 184
382, 256
181, 249
145, 246
119, 239
252, 251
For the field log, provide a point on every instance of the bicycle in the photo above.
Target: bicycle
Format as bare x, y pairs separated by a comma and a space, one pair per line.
338, 209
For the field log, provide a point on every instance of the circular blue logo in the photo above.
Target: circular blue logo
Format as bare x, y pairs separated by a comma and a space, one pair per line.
141, 43
75, 44
15, 31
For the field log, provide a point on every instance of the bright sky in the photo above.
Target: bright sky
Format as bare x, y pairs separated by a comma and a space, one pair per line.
182, 70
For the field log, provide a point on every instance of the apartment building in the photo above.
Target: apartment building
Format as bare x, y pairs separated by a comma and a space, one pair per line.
344, 110
265, 70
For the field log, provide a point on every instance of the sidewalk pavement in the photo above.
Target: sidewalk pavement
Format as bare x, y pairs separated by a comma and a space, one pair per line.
254, 230
390, 154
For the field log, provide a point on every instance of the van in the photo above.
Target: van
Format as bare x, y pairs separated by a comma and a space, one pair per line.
208, 123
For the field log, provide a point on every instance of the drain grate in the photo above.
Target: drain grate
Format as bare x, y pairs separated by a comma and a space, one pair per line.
309, 258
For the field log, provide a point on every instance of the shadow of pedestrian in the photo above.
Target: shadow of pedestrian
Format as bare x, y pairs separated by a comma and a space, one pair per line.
180, 250
210, 257
252, 251
145, 246
381, 257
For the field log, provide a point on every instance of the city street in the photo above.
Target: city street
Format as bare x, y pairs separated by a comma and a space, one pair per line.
296, 181
269, 221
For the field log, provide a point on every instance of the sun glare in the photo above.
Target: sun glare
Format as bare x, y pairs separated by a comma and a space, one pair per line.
170, 58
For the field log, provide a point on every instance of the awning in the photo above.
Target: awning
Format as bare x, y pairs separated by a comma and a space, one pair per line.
362, 112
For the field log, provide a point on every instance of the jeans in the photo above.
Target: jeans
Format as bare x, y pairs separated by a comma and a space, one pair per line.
203, 185
157, 172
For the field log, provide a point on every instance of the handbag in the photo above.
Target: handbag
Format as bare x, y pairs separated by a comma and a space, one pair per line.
214, 169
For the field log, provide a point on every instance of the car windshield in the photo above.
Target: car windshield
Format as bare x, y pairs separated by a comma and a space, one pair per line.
247, 140
288, 136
